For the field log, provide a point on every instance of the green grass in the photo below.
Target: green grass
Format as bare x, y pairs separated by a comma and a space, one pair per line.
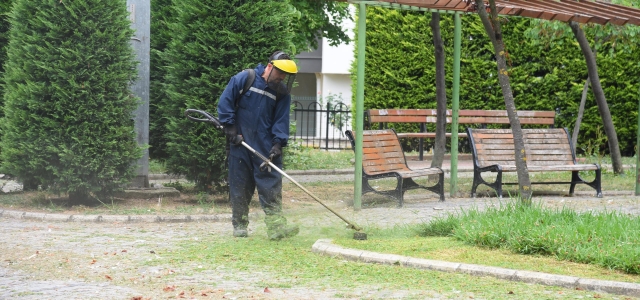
314, 159
608, 239
290, 263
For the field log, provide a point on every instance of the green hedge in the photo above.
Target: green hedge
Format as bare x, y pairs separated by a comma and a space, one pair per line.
68, 106
212, 41
5, 8
400, 72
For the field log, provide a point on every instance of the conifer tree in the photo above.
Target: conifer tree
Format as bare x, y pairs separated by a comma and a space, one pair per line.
68, 108
212, 41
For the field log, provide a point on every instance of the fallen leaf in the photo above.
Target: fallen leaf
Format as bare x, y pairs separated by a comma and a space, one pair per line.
124, 250
510, 293
578, 289
137, 298
108, 277
597, 296
169, 288
266, 290
181, 295
93, 262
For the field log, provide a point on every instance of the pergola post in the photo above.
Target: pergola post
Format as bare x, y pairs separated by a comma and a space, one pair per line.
637, 193
362, 18
455, 106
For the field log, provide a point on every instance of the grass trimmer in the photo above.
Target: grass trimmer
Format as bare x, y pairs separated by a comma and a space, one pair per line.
208, 118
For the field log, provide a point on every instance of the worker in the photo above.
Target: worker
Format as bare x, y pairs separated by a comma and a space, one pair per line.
259, 116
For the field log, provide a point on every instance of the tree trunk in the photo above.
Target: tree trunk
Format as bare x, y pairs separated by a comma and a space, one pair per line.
495, 34
576, 127
603, 108
441, 95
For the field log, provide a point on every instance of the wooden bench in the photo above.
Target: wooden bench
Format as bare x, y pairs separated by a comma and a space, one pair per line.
384, 117
383, 157
547, 150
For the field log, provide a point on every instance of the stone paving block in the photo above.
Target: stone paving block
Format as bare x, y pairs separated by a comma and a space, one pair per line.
350, 254
205, 218
479, 270
115, 219
33, 216
381, 258
546, 279
332, 251
613, 287
174, 219
442, 265
417, 263
320, 246
86, 218
57, 218
13, 214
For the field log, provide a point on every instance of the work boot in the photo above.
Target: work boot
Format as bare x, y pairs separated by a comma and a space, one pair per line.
277, 227
240, 232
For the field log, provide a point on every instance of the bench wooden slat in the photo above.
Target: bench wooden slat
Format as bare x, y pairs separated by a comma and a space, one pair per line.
383, 157
461, 120
462, 112
566, 168
546, 150
426, 135
381, 143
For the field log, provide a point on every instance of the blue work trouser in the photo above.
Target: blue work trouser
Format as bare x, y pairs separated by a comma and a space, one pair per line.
244, 177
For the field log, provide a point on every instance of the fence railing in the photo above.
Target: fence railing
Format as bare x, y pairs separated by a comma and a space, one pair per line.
321, 125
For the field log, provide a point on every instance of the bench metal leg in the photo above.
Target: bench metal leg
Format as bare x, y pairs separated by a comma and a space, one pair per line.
595, 184
402, 186
478, 180
400, 192
441, 186
397, 193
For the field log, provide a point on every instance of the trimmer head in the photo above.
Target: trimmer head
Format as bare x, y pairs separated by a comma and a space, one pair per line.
360, 236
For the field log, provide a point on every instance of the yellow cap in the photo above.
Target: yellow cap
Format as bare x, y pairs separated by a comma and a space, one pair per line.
285, 65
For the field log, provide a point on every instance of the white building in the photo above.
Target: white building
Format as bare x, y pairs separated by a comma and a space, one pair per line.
323, 74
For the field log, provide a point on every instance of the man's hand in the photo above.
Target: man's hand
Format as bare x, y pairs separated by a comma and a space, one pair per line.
276, 151
232, 134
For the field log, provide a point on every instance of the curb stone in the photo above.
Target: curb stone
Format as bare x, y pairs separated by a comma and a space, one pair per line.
326, 247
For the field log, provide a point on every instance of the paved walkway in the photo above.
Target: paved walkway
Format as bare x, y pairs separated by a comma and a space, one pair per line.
418, 208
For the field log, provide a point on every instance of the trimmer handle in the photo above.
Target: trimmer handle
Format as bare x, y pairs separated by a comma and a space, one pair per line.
208, 118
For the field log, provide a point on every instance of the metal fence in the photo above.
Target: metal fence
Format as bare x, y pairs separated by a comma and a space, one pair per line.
320, 125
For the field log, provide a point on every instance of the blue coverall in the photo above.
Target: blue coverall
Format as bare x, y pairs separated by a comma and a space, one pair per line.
262, 121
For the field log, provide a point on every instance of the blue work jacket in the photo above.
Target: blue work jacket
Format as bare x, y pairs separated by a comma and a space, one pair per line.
260, 119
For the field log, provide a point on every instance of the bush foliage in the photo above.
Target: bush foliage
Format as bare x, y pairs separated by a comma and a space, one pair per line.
68, 107
212, 41
400, 71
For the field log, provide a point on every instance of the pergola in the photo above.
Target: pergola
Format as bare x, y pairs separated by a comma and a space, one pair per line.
586, 11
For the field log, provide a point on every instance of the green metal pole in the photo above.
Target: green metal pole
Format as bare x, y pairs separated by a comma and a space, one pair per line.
638, 152
455, 107
362, 31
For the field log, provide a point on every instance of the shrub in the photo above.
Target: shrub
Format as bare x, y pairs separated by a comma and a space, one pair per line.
212, 41
68, 109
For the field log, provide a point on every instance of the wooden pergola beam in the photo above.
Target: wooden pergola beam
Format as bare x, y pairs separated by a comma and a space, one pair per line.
596, 12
